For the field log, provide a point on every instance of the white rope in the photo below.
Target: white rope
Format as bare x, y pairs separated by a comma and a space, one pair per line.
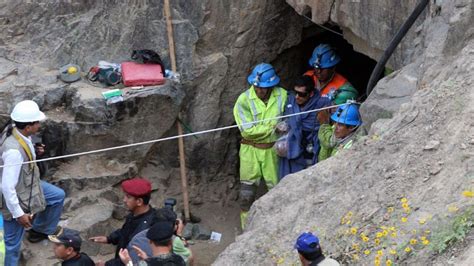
170, 138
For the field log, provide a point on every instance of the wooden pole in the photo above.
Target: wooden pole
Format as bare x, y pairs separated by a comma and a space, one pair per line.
182, 162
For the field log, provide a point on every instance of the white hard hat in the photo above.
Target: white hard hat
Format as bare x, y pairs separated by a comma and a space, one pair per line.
27, 111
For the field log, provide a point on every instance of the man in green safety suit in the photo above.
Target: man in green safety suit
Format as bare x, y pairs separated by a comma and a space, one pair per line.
340, 135
263, 100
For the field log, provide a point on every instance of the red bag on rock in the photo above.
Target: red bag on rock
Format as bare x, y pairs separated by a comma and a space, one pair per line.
135, 74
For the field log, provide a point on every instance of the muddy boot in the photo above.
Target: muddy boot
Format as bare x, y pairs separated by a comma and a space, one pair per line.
35, 237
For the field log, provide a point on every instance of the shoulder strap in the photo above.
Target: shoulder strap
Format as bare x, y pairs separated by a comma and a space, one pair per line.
23, 145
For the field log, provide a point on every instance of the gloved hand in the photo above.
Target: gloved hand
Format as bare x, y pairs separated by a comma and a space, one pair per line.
323, 117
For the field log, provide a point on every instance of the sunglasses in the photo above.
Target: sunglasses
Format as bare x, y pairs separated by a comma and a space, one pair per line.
301, 94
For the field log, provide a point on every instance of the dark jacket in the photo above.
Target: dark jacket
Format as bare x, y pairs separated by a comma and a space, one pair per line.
80, 260
132, 226
170, 259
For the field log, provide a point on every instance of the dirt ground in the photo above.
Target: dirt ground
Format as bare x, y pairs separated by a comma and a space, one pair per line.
214, 201
211, 199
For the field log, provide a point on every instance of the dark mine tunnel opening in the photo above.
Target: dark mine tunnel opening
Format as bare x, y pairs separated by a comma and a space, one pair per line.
354, 66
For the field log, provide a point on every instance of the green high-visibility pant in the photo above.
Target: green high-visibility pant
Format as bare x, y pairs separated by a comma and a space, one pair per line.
256, 164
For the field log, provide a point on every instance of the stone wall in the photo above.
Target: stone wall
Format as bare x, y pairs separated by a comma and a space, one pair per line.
421, 154
369, 25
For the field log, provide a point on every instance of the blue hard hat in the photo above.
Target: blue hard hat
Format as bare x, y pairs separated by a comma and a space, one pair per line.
324, 56
307, 243
348, 115
263, 76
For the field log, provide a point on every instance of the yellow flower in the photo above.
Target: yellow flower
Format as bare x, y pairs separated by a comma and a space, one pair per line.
392, 228
422, 221
405, 205
408, 249
394, 234
468, 194
348, 222
377, 262
390, 209
379, 234
425, 242
404, 200
407, 210
404, 219
365, 239
380, 252
354, 230
349, 214
393, 252
427, 232
355, 257
384, 232
356, 246
423, 238
367, 252
413, 241
377, 241
388, 262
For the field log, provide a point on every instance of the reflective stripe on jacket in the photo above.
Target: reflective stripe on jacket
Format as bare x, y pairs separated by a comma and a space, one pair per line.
250, 108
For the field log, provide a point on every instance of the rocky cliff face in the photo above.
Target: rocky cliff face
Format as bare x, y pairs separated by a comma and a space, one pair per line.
367, 25
402, 190
217, 44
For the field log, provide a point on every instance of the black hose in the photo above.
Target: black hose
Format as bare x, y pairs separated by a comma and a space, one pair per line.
393, 44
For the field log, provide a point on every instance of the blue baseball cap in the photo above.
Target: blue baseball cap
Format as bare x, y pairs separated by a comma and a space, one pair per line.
307, 243
67, 237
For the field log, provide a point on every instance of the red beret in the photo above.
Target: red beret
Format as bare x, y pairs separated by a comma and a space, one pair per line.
137, 187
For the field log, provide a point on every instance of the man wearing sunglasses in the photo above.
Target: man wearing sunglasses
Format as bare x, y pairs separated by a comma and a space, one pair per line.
302, 136
324, 61
264, 100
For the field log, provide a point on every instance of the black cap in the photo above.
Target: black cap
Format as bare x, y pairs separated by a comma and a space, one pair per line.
160, 231
67, 237
165, 215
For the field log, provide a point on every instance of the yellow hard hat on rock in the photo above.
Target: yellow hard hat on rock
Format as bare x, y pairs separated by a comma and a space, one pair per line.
72, 70
27, 111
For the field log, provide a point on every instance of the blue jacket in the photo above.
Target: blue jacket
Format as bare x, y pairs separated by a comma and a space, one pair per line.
295, 160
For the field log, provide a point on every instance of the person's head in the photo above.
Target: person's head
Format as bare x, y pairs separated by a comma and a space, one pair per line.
304, 90
161, 234
324, 60
67, 243
166, 215
347, 119
344, 94
137, 192
263, 78
308, 247
26, 116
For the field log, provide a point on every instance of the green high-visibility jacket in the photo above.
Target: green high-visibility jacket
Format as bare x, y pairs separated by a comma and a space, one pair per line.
249, 108
325, 133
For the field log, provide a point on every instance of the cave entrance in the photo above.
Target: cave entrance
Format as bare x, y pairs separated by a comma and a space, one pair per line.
355, 66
